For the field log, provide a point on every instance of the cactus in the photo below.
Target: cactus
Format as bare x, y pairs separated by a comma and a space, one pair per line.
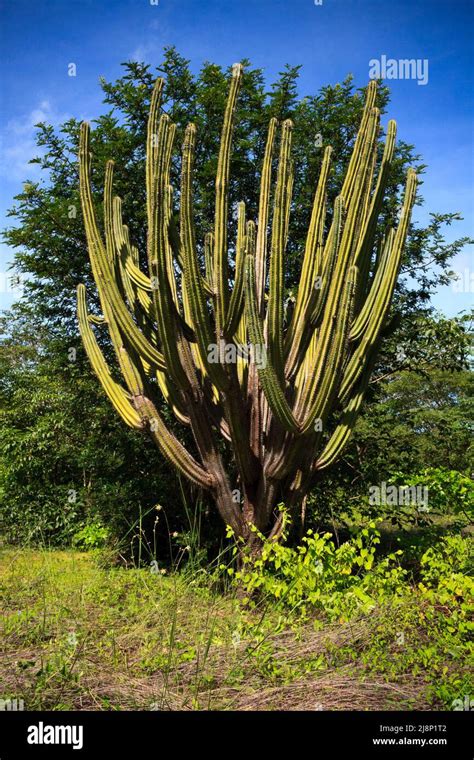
288, 403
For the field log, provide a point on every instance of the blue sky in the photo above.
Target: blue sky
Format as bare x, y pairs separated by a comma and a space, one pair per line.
40, 39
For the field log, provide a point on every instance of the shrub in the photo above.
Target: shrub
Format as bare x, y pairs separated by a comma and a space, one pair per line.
338, 580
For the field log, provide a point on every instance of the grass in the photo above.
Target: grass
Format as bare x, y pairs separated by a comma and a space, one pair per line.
80, 636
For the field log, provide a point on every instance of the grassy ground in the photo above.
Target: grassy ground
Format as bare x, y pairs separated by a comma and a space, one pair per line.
78, 636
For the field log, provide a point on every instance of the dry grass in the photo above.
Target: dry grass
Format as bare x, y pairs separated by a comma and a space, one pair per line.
160, 643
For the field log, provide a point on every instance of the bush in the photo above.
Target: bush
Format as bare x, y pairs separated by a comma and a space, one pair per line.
449, 491
340, 581
92, 536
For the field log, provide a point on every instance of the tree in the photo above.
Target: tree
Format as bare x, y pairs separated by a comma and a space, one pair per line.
418, 415
65, 460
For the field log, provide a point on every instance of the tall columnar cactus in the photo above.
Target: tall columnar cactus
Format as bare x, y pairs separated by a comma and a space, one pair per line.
289, 400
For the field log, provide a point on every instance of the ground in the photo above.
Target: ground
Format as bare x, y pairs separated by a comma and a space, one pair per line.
81, 636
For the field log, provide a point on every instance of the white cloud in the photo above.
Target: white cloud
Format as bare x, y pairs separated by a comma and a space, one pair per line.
144, 52
17, 142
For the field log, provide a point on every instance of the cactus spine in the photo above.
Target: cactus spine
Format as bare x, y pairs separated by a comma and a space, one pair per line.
274, 403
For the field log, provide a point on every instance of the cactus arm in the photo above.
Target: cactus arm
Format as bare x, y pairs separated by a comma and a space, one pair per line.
343, 259
152, 145
96, 320
315, 303
383, 299
341, 434
353, 169
278, 243
221, 211
120, 252
210, 390
168, 249
236, 303
241, 338
170, 447
311, 267
289, 194
208, 258
192, 277
350, 180
317, 300
171, 397
361, 323
108, 263
159, 151
108, 290
175, 243
137, 277
136, 284
195, 351
267, 375
363, 253
328, 368
350, 413
258, 407
165, 307
332, 355
120, 400
131, 293
263, 213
